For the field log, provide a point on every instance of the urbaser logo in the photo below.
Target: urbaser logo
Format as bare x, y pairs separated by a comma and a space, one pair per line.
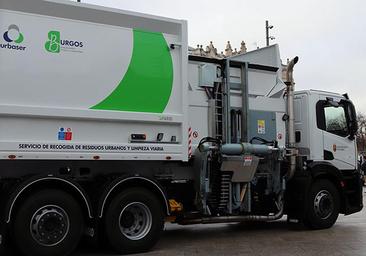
14, 38
13, 35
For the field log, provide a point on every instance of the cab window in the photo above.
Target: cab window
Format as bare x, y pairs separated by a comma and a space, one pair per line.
332, 119
335, 120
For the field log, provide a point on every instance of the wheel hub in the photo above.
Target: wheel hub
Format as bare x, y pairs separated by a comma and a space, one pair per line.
49, 225
128, 220
323, 204
135, 221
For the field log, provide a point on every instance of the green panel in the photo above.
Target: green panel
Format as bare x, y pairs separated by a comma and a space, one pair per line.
148, 82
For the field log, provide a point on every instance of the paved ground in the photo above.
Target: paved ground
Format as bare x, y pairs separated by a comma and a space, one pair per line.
347, 237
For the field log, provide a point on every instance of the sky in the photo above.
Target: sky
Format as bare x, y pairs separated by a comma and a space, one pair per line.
328, 36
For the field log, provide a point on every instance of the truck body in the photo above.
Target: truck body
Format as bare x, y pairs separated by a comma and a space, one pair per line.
108, 128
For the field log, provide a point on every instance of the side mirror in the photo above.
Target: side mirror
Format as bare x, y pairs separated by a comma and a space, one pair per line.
351, 136
353, 122
351, 118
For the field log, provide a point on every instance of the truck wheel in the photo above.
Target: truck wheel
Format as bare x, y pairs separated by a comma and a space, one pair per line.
49, 222
134, 221
322, 208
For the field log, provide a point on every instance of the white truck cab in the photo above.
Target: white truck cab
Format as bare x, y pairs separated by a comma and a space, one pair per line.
323, 124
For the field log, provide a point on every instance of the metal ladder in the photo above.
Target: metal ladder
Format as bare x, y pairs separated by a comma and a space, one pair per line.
219, 108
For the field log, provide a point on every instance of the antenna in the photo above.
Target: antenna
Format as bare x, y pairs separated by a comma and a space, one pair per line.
268, 37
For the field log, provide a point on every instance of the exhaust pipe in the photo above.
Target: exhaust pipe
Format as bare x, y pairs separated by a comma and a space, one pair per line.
291, 120
228, 219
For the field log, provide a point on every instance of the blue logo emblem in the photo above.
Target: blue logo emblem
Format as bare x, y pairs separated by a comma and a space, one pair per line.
13, 35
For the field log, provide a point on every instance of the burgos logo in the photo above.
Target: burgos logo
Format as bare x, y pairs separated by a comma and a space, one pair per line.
13, 35
55, 44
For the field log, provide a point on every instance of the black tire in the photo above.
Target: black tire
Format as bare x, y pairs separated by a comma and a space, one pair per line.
53, 209
120, 218
322, 206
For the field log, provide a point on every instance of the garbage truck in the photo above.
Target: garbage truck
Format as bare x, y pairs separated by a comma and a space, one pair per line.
110, 129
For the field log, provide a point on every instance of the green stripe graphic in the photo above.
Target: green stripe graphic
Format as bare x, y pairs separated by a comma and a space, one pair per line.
148, 82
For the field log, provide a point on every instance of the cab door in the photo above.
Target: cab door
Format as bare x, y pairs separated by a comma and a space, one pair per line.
338, 139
